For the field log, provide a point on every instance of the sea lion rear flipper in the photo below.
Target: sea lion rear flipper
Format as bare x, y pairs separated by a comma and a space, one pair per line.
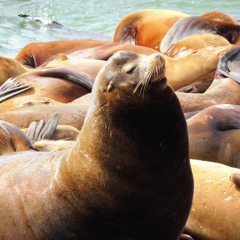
11, 88
44, 129
229, 64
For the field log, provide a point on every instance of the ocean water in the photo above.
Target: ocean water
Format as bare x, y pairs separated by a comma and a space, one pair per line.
78, 18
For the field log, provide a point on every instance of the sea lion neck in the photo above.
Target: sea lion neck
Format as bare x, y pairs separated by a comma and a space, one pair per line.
142, 128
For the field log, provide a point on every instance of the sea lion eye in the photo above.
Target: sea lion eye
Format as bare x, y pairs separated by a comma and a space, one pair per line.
131, 70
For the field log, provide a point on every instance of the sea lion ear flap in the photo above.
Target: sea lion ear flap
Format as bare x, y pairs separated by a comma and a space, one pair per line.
228, 65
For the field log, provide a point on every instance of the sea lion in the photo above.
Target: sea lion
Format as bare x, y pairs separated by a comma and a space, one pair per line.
13, 139
35, 54
10, 68
192, 43
213, 22
214, 134
69, 114
134, 28
96, 190
215, 209
221, 91
194, 67
62, 82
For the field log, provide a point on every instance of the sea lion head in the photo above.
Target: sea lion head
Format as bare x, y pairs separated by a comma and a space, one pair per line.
127, 74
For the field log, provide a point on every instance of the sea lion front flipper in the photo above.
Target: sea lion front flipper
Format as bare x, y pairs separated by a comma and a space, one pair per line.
44, 129
68, 74
11, 88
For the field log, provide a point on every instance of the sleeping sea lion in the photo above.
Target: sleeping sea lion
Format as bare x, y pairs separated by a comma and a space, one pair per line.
129, 176
214, 134
216, 208
35, 54
213, 22
134, 28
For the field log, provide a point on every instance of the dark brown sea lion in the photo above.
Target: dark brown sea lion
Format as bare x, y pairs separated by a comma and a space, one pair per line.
214, 134
129, 176
211, 22
216, 208
146, 27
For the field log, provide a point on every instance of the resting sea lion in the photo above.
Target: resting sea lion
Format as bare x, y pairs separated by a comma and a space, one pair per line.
10, 68
134, 27
213, 22
69, 114
221, 91
13, 139
216, 208
192, 43
214, 134
117, 183
62, 82
35, 54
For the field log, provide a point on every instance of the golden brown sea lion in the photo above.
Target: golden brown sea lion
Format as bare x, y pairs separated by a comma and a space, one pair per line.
63, 82
13, 139
10, 68
192, 43
146, 27
194, 67
115, 182
35, 54
221, 91
69, 114
214, 134
216, 208
211, 22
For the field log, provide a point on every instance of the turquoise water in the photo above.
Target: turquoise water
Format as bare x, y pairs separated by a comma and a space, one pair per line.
95, 16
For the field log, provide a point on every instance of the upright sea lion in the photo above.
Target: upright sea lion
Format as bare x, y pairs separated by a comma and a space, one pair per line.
146, 27
216, 208
129, 176
214, 134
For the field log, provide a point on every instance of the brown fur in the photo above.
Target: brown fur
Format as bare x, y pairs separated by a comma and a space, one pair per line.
215, 209
96, 190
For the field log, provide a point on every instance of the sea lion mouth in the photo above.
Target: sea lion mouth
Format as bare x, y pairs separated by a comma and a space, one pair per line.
155, 72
